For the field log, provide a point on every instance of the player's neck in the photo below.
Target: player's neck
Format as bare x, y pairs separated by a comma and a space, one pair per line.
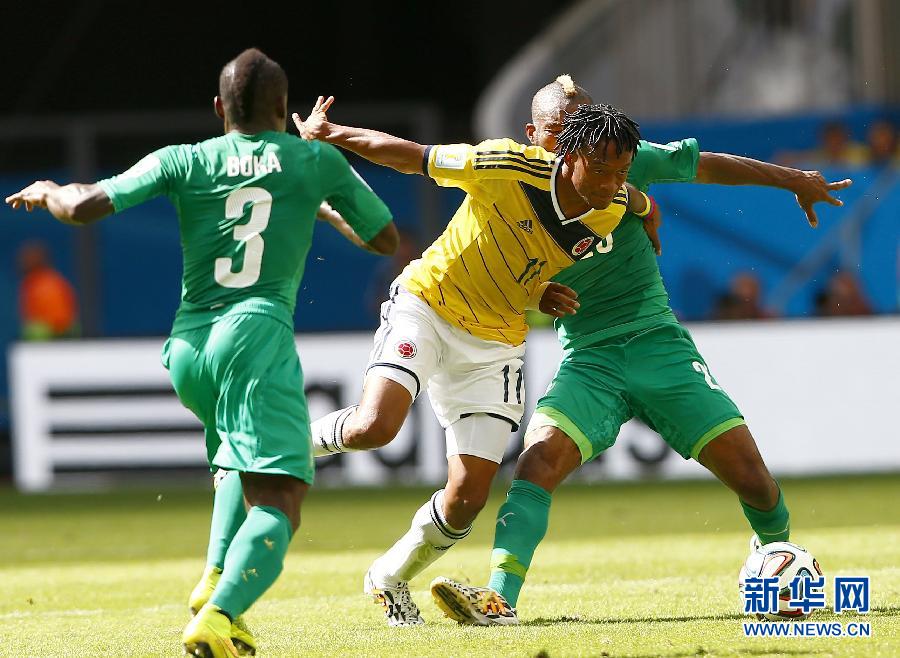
254, 127
570, 202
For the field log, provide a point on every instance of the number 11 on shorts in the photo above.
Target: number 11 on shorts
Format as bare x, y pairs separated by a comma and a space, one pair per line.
506, 384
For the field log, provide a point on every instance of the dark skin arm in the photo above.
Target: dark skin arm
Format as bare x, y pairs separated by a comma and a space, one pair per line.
558, 300
809, 187
636, 202
77, 203
652, 222
384, 243
378, 147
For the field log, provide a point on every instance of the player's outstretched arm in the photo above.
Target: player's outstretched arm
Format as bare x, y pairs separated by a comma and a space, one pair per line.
76, 203
809, 187
384, 243
378, 147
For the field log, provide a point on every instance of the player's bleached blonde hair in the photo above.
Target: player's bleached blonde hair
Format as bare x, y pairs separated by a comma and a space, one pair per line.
568, 85
558, 93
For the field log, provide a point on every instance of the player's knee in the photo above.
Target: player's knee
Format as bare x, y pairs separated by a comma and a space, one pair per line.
284, 493
547, 463
538, 456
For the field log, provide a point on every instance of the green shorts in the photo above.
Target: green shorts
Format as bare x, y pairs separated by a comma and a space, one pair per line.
241, 376
656, 375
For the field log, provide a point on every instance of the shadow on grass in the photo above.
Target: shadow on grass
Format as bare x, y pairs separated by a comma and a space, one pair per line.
884, 611
881, 611
738, 651
601, 621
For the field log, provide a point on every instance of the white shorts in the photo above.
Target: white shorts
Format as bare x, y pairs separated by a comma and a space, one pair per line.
465, 375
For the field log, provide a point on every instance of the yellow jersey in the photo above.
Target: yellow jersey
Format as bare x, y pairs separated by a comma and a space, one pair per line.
506, 240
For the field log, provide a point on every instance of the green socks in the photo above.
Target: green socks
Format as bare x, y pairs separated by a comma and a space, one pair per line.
254, 560
228, 515
523, 519
521, 525
774, 525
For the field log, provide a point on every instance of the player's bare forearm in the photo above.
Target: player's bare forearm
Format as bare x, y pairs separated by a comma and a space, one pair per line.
378, 147
79, 204
76, 203
810, 187
727, 169
642, 206
637, 202
383, 244
328, 214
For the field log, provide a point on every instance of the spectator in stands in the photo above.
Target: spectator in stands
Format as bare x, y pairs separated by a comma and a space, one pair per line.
47, 302
742, 301
881, 139
836, 148
842, 296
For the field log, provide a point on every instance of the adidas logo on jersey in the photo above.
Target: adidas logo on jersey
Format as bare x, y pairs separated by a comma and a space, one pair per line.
525, 225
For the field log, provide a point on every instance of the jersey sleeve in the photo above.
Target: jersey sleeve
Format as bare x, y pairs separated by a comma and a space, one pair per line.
155, 174
350, 195
465, 165
675, 162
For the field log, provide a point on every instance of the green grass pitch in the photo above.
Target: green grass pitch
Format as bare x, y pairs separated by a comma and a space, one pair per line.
626, 570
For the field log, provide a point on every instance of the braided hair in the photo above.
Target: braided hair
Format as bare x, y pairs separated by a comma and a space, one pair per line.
593, 125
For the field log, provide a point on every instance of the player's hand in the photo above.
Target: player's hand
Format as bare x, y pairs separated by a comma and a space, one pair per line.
316, 124
652, 222
558, 300
33, 196
812, 188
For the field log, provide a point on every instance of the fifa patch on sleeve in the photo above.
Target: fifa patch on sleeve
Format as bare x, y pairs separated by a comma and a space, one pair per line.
450, 157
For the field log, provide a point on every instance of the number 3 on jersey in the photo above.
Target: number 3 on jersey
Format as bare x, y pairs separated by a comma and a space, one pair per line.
249, 234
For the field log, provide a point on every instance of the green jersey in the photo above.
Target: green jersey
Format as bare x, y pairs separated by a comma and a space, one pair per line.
246, 209
620, 288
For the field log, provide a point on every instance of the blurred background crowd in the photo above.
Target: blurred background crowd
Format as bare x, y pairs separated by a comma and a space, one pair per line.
807, 83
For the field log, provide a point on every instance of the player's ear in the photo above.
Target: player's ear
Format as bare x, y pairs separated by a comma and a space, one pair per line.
530, 129
218, 108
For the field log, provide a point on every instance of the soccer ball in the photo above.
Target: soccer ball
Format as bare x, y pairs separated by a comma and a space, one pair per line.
785, 561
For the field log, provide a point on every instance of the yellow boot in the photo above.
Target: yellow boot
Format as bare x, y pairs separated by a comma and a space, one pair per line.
241, 636
208, 635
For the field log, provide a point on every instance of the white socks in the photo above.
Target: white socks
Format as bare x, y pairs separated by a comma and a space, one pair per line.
428, 538
328, 432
